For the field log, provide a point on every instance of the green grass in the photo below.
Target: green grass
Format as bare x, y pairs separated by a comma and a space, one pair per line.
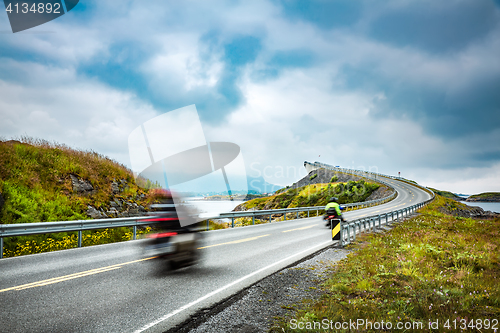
432, 267
446, 194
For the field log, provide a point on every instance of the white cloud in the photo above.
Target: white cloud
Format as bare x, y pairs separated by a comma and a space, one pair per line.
70, 109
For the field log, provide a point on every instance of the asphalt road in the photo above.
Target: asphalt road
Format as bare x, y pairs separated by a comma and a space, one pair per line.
115, 288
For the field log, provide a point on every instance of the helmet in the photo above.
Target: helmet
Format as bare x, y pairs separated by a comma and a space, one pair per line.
333, 199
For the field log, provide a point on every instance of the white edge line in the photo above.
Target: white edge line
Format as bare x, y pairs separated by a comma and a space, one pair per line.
173, 313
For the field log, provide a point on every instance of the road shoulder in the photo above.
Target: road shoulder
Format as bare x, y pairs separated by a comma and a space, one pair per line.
278, 295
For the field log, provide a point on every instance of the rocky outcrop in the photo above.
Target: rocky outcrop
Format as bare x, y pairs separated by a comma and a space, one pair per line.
119, 186
380, 193
117, 208
461, 210
81, 186
324, 176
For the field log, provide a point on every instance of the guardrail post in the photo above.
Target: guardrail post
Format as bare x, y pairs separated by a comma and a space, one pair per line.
297, 215
135, 232
284, 219
1, 247
232, 221
253, 219
341, 234
79, 238
208, 225
308, 212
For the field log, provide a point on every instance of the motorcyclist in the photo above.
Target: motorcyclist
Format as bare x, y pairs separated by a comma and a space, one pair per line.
333, 209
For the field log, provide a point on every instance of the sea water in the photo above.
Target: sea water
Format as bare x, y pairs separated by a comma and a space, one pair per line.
214, 206
491, 206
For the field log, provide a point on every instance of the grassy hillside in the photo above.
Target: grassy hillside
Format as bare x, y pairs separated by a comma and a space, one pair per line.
432, 267
37, 185
313, 195
447, 194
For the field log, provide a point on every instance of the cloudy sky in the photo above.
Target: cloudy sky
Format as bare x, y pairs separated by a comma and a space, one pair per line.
410, 86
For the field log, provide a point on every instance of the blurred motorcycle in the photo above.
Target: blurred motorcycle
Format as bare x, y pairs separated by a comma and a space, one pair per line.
175, 244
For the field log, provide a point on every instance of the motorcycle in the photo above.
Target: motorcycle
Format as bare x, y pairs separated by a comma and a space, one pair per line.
331, 215
172, 243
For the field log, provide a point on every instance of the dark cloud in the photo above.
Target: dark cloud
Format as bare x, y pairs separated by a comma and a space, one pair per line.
436, 26
443, 112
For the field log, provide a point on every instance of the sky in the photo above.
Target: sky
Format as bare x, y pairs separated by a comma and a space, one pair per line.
410, 86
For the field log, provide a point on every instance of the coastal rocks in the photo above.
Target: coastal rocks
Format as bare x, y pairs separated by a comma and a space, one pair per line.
466, 211
81, 186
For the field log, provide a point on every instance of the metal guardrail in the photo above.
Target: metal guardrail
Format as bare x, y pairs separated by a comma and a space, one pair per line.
24, 229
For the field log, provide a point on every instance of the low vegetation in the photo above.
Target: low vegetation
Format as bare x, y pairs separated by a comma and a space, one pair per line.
431, 267
446, 194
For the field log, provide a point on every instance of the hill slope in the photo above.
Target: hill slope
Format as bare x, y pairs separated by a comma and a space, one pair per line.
42, 181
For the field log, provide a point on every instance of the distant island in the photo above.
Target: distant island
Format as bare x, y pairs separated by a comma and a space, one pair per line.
485, 197
482, 197
240, 197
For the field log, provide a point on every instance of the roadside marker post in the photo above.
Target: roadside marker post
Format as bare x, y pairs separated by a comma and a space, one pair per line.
335, 227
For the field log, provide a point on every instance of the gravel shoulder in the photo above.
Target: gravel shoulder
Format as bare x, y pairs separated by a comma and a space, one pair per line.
278, 295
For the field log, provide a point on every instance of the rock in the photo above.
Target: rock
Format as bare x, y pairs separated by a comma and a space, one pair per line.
113, 204
94, 213
81, 186
114, 187
382, 192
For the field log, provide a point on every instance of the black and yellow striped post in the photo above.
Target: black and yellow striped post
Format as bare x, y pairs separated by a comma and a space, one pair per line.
335, 227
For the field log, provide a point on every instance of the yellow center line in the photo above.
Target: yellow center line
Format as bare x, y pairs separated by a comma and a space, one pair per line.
309, 226
235, 242
71, 276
